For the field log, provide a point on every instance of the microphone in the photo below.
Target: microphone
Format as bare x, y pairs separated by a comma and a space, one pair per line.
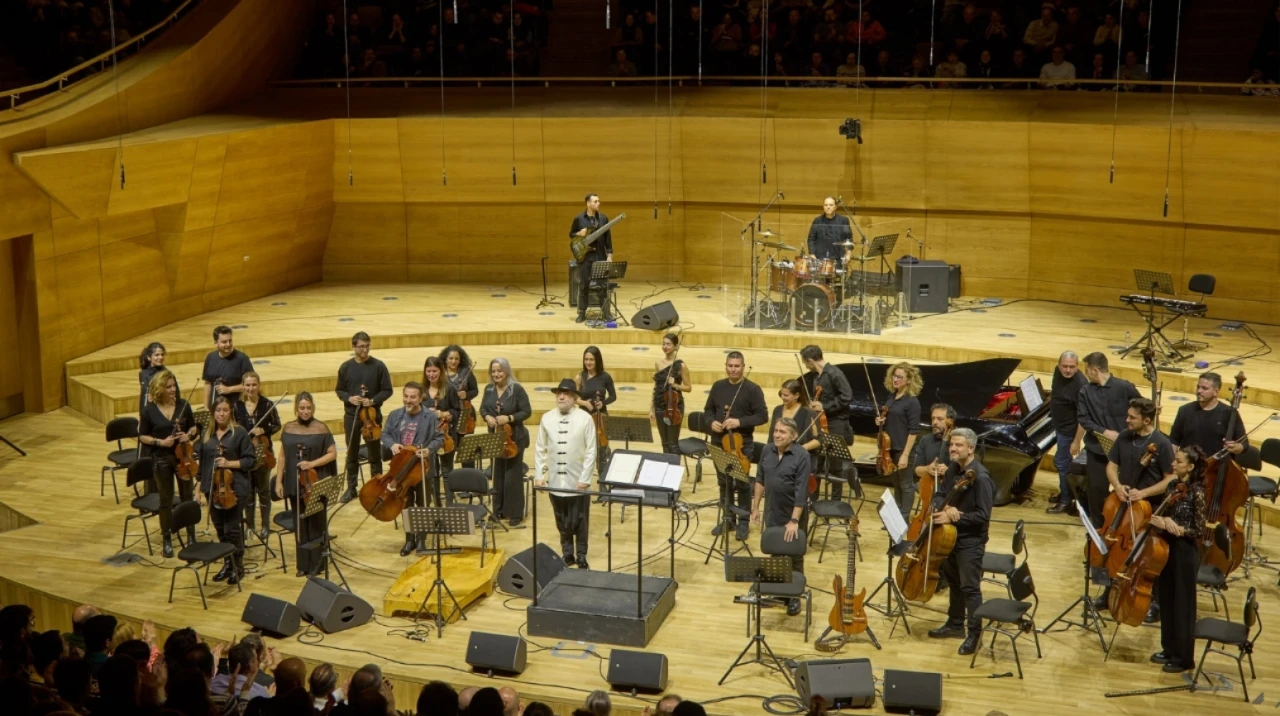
840, 200
781, 195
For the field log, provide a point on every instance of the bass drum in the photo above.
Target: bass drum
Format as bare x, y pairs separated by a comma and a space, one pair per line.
812, 304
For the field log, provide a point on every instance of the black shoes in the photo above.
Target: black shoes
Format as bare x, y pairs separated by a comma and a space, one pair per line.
225, 572
569, 561
1172, 668
1101, 602
167, 548
582, 563
237, 571
1057, 508
514, 523
947, 631
410, 544
970, 644
744, 530
582, 318
1153, 615
1159, 658
349, 495
793, 606
717, 530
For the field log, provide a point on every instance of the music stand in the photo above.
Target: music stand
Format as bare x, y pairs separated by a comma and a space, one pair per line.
324, 493
757, 571
628, 429
440, 521
1150, 283
882, 246
479, 447
728, 465
608, 271
1090, 617
895, 604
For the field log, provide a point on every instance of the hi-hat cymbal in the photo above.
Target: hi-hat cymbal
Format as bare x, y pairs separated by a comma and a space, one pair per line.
778, 245
846, 244
767, 234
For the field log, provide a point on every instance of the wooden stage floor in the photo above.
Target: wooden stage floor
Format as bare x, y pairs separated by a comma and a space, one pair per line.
58, 529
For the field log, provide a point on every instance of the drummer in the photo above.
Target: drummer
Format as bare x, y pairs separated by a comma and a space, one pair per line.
828, 230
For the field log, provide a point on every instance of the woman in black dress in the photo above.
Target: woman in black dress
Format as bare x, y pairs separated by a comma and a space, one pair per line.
506, 403
460, 371
595, 392
442, 398
305, 443
258, 416
227, 445
1181, 527
669, 371
149, 363
166, 421
904, 384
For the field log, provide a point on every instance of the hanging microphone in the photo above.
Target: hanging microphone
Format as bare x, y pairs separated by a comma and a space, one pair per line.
1112, 180
444, 178
764, 173
781, 195
1166, 203
513, 175
351, 178
122, 175
840, 200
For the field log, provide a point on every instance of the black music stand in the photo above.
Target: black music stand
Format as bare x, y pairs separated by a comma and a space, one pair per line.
882, 246
757, 571
895, 604
324, 493
1151, 283
479, 447
729, 465
440, 521
626, 430
641, 496
606, 272
1090, 617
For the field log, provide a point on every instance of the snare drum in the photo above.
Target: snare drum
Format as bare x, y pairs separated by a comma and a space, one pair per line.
782, 276
827, 269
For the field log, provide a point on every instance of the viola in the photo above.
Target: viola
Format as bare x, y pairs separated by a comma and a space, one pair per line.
262, 443
884, 447
602, 439
1226, 489
917, 571
306, 478
368, 415
449, 444
185, 453
1133, 587
822, 414
671, 414
509, 447
848, 616
223, 491
467, 417
384, 496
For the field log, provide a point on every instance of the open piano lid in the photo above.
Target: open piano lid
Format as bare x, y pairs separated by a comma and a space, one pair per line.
967, 387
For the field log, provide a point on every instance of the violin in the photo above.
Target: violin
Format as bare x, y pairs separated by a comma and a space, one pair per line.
671, 414
384, 496
262, 443
1121, 523
884, 446
733, 442
449, 443
602, 440
223, 491
822, 414
368, 415
1133, 587
185, 453
509, 447
848, 616
1226, 489
467, 417
917, 571
306, 478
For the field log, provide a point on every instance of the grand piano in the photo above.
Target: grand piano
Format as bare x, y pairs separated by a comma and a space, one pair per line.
1010, 445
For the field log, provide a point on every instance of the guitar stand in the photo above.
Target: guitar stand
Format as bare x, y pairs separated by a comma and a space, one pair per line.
1090, 618
759, 570
729, 466
895, 605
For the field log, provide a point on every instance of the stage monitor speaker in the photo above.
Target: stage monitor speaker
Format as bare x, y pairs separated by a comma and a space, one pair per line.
275, 617
332, 608
953, 281
516, 576
842, 683
496, 653
926, 285
637, 671
918, 692
658, 317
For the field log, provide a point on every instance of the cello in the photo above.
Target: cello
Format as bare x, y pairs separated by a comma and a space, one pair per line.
848, 617
1226, 489
732, 442
1133, 587
222, 491
927, 485
384, 496
917, 570
1121, 522
370, 430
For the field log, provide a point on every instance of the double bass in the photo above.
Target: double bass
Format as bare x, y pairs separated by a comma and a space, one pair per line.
1133, 587
384, 496
917, 571
1226, 489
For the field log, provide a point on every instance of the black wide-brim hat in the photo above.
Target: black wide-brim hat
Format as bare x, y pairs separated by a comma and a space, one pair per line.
566, 386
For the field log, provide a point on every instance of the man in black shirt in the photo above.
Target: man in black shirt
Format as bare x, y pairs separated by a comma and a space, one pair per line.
1102, 408
1204, 423
747, 409
602, 250
828, 230
834, 401
970, 512
224, 368
361, 371
932, 453
783, 475
1067, 382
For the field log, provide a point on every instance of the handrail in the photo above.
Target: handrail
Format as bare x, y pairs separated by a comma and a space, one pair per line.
62, 77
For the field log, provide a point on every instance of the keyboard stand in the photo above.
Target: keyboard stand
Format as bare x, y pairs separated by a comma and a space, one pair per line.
1154, 338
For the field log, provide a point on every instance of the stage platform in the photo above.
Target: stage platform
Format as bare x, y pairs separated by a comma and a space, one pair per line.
57, 529
600, 607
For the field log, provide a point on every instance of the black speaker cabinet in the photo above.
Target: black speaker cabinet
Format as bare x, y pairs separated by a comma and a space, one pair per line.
926, 285
657, 317
918, 692
842, 683
496, 653
275, 617
516, 576
332, 608
637, 671
953, 281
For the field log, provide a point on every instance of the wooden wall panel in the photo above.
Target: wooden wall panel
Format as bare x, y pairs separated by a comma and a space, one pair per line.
367, 234
128, 272
628, 159
80, 181
722, 159
206, 182
1102, 252
1231, 178
993, 251
156, 174
11, 361
271, 170
889, 168
24, 208
1246, 264
977, 166
367, 161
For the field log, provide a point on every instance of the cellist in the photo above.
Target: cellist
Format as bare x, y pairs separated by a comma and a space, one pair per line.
411, 427
970, 512
1177, 586
1204, 422
237, 455
929, 457
747, 409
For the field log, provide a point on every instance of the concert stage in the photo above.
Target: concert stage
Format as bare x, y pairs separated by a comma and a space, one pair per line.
57, 529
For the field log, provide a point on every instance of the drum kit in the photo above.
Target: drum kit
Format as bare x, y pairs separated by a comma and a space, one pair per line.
813, 289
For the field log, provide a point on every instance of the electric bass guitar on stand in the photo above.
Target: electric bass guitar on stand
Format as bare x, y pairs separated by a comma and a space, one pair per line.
581, 246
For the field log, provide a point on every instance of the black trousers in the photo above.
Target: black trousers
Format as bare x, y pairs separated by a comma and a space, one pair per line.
1177, 592
573, 520
508, 487
1099, 487
260, 480
373, 448
584, 284
308, 538
427, 492
905, 486
227, 522
963, 571
668, 435
163, 469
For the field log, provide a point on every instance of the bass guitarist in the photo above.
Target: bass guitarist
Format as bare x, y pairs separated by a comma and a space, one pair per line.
602, 250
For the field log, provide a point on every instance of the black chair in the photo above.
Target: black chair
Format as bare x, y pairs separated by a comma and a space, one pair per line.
118, 430
774, 544
1229, 633
1203, 284
1260, 487
1016, 612
468, 482
695, 448
147, 505
286, 523
1004, 564
187, 514
1211, 580
835, 513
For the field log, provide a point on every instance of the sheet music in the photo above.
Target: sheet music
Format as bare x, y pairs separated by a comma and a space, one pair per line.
892, 517
623, 468
1088, 527
661, 475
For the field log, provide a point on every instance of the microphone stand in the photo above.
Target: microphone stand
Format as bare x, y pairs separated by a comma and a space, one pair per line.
755, 271
546, 301
862, 265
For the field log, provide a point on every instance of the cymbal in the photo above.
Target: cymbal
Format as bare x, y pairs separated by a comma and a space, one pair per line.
846, 244
768, 234
861, 258
778, 245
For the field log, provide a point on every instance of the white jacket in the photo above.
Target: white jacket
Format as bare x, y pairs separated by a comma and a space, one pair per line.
565, 452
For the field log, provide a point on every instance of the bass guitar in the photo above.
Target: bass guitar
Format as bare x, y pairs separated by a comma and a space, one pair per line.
581, 246
848, 617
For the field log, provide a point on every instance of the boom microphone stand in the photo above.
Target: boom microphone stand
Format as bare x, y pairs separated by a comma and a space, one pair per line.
546, 300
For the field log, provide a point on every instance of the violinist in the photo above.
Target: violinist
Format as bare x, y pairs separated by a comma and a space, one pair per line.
224, 366
443, 400
794, 409
166, 421
834, 400
361, 370
931, 455
1204, 422
904, 383
1102, 408
150, 362
1067, 382
320, 453
669, 372
564, 455
747, 409
602, 250
506, 403
595, 390
458, 368
783, 481
971, 514
412, 427
226, 445
258, 416
1181, 525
